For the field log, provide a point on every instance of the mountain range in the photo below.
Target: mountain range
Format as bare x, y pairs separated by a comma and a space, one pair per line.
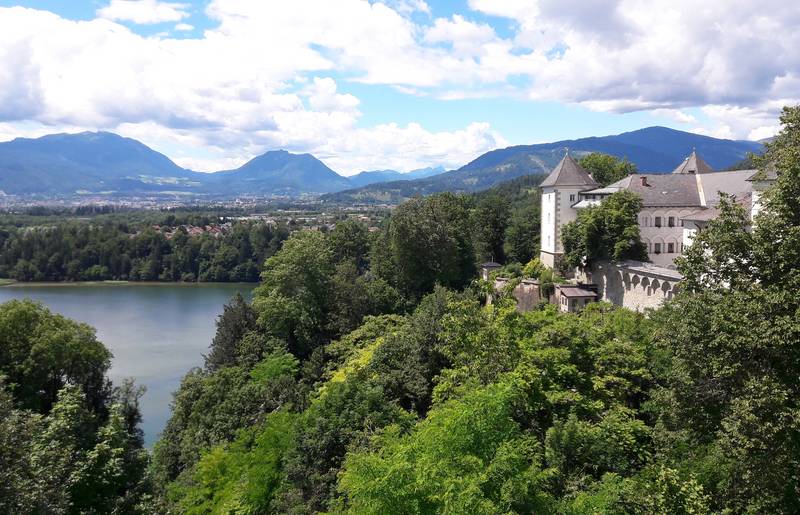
652, 150
106, 163
378, 176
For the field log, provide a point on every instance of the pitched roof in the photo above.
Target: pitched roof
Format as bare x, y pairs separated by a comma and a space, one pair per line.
706, 214
576, 292
569, 173
693, 164
734, 182
768, 173
661, 190
681, 190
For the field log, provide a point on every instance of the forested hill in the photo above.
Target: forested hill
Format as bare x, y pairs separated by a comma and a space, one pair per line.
653, 149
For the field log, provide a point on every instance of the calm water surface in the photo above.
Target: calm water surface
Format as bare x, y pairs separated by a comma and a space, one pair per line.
157, 332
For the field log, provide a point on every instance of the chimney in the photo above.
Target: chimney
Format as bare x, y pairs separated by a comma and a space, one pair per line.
644, 180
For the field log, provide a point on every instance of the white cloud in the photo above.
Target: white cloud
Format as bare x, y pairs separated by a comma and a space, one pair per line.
144, 11
675, 115
465, 37
737, 122
268, 74
183, 27
408, 6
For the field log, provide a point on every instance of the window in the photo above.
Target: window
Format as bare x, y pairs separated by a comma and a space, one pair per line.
572, 198
657, 248
671, 221
670, 248
658, 222
682, 222
645, 221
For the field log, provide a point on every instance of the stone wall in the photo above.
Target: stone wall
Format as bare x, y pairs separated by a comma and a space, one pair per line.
633, 284
527, 293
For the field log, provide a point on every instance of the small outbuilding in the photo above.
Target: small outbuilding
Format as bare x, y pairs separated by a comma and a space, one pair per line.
572, 298
487, 268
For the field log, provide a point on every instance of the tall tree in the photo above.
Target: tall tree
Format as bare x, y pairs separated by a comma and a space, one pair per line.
430, 242
609, 231
237, 318
293, 299
490, 218
606, 169
522, 234
730, 407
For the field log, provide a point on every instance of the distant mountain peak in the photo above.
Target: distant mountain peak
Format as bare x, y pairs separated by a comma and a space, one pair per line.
655, 149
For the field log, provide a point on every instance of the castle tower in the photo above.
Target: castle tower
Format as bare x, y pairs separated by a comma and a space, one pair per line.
559, 193
693, 164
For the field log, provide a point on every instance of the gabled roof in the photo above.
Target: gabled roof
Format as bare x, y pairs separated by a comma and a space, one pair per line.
576, 292
681, 190
660, 190
569, 173
693, 164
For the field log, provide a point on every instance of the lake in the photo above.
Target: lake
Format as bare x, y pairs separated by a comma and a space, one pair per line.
157, 332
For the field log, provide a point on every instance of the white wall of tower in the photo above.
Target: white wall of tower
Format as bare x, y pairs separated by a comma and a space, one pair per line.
557, 211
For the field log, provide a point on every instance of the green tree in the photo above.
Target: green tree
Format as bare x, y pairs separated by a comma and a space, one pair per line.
237, 318
42, 352
209, 409
349, 242
468, 456
294, 297
490, 219
609, 231
606, 169
523, 233
729, 407
429, 241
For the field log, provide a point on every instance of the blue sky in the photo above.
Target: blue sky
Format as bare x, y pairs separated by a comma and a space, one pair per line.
396, 84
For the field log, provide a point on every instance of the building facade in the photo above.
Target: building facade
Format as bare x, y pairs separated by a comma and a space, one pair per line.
560, 193
674, 205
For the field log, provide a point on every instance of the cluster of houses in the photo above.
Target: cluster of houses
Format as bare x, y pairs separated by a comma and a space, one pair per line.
675, 207
215, 230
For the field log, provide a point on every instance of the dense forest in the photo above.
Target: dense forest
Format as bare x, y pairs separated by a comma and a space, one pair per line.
95, 244
368, 376
79, 251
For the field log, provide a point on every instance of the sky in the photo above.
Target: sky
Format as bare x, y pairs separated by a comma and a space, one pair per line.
392, 84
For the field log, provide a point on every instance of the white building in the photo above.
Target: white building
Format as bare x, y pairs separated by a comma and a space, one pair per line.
560, 193
674, 205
